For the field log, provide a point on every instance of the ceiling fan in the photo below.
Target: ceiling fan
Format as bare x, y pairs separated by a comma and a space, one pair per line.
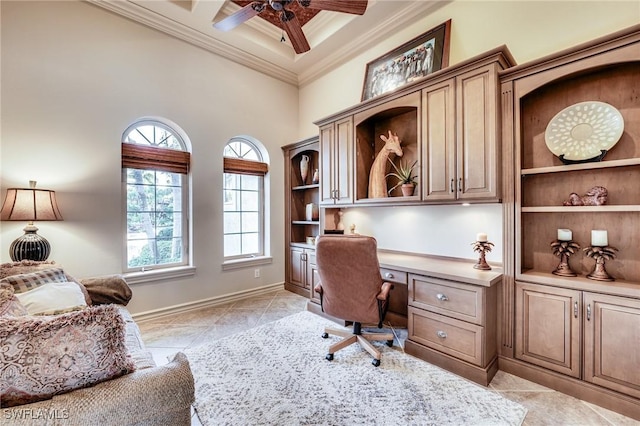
288, 19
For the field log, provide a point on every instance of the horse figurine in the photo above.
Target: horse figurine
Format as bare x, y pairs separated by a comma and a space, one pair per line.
377, 181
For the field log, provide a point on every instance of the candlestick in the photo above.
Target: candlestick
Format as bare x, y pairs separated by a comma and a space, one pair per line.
600, 254
565, 235
599, 238
482, 237
564, 249
482, 247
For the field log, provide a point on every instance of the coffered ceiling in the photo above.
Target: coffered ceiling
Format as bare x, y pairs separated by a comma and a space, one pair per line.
334, 37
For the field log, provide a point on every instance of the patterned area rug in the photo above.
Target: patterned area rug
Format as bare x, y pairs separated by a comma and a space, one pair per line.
276, 374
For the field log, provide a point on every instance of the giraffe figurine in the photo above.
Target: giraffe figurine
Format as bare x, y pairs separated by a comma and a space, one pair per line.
377, 180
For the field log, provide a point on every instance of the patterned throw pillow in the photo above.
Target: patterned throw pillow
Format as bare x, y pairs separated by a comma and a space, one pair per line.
45, 356
24, 282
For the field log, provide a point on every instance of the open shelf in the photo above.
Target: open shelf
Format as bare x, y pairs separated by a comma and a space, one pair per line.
583, 166
305, 187
581, 209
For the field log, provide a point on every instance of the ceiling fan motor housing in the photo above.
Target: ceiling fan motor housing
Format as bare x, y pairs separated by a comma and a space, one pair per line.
279, 5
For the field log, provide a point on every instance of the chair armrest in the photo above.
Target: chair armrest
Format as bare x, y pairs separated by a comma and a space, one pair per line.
384, 290
108, 289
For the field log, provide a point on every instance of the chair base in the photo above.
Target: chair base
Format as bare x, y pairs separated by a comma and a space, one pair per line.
364, 339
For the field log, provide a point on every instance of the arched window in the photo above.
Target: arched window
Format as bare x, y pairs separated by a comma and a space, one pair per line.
244, 199
155, 166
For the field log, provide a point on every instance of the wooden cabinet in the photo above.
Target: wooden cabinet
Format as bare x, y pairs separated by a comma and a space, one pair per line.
612, 342
460, 136
453, 324
299, 225
448, 123
578, 327
548, 327
336, 150
557, 328
301, 268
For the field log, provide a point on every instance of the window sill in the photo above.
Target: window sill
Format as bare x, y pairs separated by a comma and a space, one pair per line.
159, 274
246, 263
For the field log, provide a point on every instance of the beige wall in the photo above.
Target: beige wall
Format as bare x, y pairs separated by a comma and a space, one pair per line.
73, 78
530, 29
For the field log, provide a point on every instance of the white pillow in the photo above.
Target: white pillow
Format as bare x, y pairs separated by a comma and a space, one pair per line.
53, 298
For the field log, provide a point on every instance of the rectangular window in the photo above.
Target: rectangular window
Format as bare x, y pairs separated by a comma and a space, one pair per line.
156, 225
243, 215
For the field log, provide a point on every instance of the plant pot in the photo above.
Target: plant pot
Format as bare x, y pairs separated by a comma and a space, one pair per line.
407, 189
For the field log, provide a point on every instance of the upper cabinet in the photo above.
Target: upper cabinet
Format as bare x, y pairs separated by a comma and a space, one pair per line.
444, 128
336, 153
461, 142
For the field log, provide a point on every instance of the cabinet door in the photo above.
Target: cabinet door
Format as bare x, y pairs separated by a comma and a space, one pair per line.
298, 265
439, 151
612, 342
476, 133
343, 161
313, 278
548, 327
326, 161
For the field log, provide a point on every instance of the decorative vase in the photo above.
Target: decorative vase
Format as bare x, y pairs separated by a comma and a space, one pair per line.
316, 177
312, 212
304, 168
407, 189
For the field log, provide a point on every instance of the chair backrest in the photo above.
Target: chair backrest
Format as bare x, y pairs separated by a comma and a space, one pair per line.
350, 277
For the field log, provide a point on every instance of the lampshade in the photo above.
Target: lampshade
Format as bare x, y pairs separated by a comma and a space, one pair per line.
30, 204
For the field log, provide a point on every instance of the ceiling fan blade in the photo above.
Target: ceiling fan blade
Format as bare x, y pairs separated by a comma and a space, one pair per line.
294, 31
356, 7
243, 15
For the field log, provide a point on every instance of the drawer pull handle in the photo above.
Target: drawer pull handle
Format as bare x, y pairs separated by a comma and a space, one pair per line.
442, 334
388, 275
589, 312
442, 297
575, 309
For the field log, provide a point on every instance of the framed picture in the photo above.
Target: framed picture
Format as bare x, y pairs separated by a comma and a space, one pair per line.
410, 62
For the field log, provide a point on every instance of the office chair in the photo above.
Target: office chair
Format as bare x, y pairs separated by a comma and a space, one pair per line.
351, 288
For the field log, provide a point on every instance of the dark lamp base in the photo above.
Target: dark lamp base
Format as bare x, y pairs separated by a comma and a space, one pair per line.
30, 246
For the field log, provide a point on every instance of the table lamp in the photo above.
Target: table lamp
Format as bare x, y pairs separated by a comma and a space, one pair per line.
30, 204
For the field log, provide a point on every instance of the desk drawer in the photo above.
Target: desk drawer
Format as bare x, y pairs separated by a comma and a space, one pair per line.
453, 337
393, 276
456, 300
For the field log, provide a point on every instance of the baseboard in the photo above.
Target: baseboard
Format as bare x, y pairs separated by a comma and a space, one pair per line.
580, 389
206, 303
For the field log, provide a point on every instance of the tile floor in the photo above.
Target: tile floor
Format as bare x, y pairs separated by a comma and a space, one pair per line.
168, 335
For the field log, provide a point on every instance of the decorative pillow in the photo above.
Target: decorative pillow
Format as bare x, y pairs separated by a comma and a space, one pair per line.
9, 303
45, 356
53, 298
24, 267
25, 282
108, 289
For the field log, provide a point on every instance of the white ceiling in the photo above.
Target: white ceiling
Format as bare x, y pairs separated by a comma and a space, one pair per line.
334, 37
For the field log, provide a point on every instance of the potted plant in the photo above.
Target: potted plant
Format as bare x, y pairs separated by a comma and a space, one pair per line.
405, 176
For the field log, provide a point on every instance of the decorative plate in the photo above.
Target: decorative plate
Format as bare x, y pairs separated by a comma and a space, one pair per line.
584, 131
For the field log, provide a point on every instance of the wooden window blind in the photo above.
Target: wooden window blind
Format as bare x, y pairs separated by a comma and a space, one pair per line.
246, 167
152, 158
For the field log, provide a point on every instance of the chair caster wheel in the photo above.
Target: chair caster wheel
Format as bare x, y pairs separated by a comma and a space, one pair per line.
329, 357
376, 362
325, 335
390, 343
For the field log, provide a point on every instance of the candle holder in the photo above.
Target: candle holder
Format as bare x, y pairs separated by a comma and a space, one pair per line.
564, 249
482, 247
600, 254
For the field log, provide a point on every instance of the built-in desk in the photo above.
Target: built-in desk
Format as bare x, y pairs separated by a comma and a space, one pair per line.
449, 309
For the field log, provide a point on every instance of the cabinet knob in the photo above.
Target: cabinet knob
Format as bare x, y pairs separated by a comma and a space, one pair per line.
442, 297
442, 334
388, 275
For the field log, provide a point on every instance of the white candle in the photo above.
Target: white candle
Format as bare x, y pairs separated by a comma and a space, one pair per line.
482, 237
599, 238
565, 234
